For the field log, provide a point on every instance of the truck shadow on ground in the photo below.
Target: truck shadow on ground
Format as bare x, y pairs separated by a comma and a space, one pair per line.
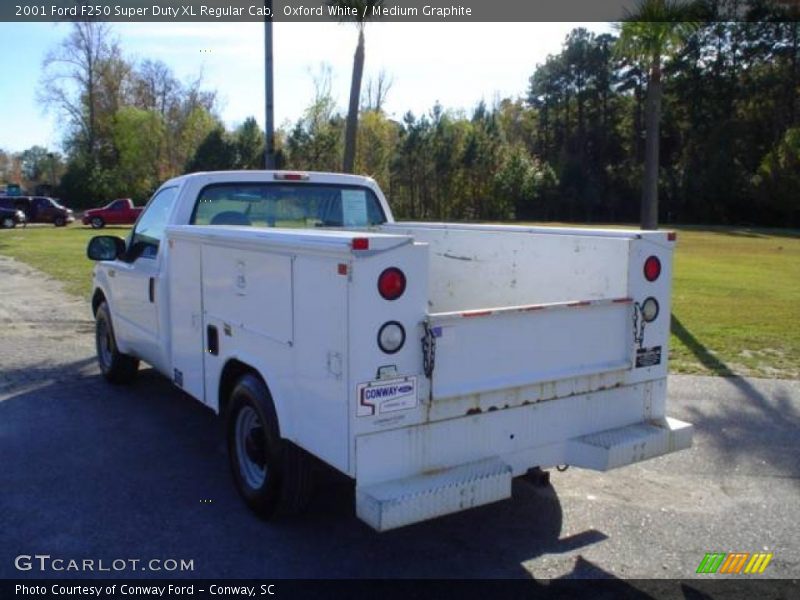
701, 353
24, 376
107, 472
756, 423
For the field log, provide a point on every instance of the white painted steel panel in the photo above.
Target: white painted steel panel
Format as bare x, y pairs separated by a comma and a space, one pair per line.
626, 445
506, 350
186, 317
396, 503
292, 241
476, 269
399, 502
319, 396
368, 312
249, 289
136, 317
627, 233
523, 437
656, 333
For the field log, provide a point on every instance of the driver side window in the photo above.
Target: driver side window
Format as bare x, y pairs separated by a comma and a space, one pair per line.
150, 229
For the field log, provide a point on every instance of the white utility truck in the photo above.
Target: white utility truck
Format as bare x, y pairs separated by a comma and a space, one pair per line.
430, 362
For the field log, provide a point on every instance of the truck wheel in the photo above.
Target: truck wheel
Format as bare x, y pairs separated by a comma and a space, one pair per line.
97, 223
272, 474
59, 221
9, 223
115, 366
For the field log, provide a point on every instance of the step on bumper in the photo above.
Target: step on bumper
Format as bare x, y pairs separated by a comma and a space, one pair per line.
392, 504
630, 444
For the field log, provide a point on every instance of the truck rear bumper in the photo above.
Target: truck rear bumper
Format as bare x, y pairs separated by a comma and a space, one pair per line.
419, 472
627, 445
401, 502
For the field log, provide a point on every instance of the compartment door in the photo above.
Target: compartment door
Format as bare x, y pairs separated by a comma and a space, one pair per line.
482, 351
186, 317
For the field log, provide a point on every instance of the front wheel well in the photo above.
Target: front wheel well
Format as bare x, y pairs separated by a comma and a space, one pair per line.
97, 299
231, 373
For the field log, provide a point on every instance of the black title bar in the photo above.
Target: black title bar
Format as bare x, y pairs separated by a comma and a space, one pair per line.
388, 589
441, 11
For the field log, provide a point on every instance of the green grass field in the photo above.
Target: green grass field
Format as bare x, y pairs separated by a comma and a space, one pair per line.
59, 252
736, 302
736, 298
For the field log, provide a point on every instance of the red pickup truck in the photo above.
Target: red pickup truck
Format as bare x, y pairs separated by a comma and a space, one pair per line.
118, 212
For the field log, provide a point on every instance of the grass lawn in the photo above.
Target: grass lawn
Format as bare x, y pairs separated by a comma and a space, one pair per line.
58, 251
736, 295
736, 302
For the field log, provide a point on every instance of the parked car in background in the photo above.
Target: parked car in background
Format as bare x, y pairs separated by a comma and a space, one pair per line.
11, 217
119, 212
39, 209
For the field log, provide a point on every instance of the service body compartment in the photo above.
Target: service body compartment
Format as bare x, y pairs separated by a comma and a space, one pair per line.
541, 355
430, 362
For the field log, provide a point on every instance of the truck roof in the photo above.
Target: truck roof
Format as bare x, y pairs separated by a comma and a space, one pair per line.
263, 175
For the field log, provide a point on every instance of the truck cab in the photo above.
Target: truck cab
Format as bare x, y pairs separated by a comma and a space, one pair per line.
430, 362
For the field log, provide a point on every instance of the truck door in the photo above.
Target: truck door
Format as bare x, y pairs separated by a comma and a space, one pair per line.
136, 283
186, 316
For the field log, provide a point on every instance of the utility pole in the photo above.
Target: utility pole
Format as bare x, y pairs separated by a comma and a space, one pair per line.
52, 159
269, 148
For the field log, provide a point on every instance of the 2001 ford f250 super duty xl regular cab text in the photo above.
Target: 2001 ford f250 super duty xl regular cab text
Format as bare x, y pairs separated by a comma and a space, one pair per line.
430, 362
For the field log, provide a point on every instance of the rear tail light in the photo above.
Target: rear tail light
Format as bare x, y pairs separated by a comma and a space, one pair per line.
391, 283
650, 309
391, 337
652, 268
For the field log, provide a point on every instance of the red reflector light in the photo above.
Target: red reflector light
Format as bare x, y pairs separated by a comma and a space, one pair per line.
391, 283
652, 268
672, 236
360, 243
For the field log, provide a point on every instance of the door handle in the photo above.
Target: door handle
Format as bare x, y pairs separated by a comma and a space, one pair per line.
152, 290
212, 340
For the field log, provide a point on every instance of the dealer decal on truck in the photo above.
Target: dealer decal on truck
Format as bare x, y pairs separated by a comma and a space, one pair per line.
379, 397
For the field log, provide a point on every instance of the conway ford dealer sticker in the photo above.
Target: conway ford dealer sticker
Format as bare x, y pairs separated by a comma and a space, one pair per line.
380, 397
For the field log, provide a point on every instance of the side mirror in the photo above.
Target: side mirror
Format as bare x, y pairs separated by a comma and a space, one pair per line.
105, 247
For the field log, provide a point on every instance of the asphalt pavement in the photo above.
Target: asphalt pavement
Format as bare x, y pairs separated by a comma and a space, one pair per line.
91, 471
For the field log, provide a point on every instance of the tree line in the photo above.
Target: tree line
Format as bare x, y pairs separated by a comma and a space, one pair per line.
570, 147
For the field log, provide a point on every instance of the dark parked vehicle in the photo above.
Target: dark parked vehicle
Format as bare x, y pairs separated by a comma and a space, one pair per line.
39, 209
11, 217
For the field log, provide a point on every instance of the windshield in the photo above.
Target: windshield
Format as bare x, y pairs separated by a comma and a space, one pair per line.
287, 205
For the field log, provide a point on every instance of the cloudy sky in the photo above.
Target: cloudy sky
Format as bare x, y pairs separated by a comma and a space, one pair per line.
457, 64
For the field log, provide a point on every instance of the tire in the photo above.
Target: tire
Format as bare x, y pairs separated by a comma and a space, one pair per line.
117, 368
97, 223
272, 475
59, 221
9, 223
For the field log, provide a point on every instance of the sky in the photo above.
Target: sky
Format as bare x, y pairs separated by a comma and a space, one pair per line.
456, 64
